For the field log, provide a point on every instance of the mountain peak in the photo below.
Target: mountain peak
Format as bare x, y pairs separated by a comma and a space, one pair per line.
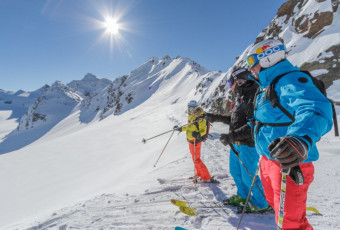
90, 77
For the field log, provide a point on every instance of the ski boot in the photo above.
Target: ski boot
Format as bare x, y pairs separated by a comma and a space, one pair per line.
250, 208
234, 200
213, 180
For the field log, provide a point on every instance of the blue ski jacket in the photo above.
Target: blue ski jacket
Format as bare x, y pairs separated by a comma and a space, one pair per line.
297, 94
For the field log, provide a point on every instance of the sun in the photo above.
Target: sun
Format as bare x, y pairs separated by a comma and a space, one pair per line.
112, 26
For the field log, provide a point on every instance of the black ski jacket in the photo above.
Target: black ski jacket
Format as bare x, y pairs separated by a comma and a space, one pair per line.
242, 112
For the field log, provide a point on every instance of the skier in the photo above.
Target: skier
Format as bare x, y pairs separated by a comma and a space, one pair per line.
286, 133
195, 132
240, 137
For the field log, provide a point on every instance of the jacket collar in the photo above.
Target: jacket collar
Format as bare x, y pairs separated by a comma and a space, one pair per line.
266, 76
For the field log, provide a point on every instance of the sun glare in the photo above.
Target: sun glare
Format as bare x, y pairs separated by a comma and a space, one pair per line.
111, 24
112, 27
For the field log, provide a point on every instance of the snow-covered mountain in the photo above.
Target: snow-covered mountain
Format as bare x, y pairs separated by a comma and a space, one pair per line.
310, 31
94, 98
71, 155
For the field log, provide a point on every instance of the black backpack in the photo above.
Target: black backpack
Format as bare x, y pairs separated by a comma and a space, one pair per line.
272, 96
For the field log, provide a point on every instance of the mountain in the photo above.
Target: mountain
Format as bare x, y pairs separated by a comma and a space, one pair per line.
92, 98
310, 31
72, 155
303, 26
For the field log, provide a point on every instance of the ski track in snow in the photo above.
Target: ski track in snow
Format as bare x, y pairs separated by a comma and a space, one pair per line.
153, 210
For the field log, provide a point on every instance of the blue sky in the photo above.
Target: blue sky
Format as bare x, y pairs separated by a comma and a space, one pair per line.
44, 41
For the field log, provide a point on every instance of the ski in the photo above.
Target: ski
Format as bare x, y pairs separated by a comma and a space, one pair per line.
190, 208
199, 204
170, 181
179, 202
180, 228
193, 211
239, 210
312, 209
188, 211
183, 180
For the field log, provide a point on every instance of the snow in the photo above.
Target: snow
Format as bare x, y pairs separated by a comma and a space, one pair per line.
82, 170
100, 175
333, 91
317, 72
6, 124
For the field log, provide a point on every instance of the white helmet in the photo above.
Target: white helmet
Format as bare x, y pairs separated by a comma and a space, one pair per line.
267, 53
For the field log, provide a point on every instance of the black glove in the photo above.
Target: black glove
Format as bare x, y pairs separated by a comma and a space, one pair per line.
210, 117
289, 151
176, 128
196, 135
226, 139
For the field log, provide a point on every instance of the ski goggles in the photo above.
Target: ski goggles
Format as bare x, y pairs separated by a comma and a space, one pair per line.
192, 107
231, 81
253, 59
238, 81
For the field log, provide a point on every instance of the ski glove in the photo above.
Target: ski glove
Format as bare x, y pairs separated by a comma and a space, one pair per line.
176, 128
289, 151
226, 139
196, 135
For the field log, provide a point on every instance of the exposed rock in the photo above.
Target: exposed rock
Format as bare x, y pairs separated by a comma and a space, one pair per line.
287, 9
332, 64
301, 24
318, 22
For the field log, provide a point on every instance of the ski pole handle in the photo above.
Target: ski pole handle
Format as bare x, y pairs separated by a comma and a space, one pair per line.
285, 171
296, 175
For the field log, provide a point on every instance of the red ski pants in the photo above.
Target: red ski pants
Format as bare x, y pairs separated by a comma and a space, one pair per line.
294, 216
201, 169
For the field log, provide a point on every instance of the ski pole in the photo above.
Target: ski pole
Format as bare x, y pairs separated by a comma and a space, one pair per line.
297, 171
284, 173
238, 157
248, 197
195, 179
164, 148
145, 140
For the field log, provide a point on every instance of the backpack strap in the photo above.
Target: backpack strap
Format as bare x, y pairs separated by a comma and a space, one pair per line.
335, 120
275, 101
207, 126
271, 94
196, 123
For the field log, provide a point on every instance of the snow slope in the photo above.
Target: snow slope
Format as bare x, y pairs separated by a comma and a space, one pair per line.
66, 167
101, 176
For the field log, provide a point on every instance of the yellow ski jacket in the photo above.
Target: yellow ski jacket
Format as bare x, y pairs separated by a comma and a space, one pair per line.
193, 127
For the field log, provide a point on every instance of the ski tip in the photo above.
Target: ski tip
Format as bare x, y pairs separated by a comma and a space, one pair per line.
313, 210
180, 228
174, 202
178, 202
187, 210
